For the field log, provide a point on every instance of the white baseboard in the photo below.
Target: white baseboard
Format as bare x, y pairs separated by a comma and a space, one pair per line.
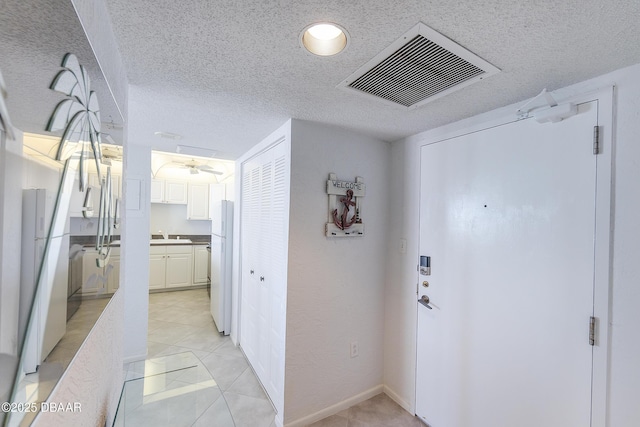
396, 398
334, 409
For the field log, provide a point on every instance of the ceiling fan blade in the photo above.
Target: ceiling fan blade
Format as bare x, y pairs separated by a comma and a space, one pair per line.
211, 171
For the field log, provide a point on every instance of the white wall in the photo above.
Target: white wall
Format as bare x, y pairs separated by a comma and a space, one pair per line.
134, 255
335, 285
399, 366
10, 242
172, 219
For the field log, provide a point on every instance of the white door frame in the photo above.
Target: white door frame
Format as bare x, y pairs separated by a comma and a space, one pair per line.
603, 235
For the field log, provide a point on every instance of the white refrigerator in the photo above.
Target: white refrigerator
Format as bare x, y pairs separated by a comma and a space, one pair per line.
221, 257
50, 302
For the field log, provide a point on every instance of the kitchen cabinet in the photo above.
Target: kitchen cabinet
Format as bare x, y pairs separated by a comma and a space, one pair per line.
99, 280
201, 260
91, 273
168, 191
170, 266
157, 191
179, 266
157, 267
198, 201
113, 278
77, 197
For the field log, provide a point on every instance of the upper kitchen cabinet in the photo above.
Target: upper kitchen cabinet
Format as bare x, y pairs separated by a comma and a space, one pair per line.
169, 191
198, 201
78, 198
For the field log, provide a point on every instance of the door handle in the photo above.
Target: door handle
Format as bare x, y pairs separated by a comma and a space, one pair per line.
425, 301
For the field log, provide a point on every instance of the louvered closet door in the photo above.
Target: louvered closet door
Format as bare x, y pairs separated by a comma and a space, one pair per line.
249, 243
264, 251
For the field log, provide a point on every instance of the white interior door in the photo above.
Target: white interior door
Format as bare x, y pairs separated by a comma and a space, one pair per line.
507, 216
264, 216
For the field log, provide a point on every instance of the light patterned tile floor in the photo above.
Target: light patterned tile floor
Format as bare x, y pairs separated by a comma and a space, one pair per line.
379, 411
180, 327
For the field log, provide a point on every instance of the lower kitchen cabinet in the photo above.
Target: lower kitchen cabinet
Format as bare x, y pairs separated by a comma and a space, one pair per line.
179, 266
201, 260
113, 276
170, 266
157, 267
99, 280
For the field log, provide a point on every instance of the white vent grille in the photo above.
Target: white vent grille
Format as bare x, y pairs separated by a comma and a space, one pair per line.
421, 66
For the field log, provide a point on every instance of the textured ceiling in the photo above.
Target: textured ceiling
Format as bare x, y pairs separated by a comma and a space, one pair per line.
34, 37
236, 70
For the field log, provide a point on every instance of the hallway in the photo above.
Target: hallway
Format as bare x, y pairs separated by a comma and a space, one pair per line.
193, 376
186, 353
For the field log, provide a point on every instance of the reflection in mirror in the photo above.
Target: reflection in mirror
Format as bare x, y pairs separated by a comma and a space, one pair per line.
55, 273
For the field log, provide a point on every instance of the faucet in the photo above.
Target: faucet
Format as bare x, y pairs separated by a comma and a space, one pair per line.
165, 235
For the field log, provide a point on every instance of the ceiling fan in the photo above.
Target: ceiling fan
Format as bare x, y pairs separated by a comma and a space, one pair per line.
111, 153
195, 168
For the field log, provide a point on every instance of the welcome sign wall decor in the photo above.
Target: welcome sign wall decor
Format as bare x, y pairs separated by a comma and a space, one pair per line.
345, 216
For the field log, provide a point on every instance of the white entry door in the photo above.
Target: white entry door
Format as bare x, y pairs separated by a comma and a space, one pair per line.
507, 216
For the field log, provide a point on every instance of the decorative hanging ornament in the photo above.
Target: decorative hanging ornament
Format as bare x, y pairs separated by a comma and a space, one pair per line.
78, 116
344, 207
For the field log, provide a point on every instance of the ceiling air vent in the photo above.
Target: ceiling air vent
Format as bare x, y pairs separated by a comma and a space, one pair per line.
421, 66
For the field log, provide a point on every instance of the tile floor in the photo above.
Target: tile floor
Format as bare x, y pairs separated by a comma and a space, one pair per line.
193, 376
379, 411
227, 391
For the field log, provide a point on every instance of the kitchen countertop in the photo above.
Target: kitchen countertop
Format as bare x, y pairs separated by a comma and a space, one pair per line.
196, 240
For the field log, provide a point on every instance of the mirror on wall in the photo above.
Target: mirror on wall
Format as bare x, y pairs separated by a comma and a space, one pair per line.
58, 213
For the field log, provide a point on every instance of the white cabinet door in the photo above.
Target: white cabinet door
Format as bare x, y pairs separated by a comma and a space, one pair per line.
92, 276
77, 201
168, 191
201, 261
157, 191
78, 198
198, 203
179, 268
157, 269
175, 192
116, 186
113, 277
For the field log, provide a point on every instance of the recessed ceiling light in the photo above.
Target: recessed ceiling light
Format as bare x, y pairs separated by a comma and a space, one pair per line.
324, 39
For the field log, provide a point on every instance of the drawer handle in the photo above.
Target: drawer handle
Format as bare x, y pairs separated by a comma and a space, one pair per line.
262, 278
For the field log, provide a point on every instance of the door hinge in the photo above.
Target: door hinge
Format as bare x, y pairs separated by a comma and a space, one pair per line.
596, 139
592, 330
